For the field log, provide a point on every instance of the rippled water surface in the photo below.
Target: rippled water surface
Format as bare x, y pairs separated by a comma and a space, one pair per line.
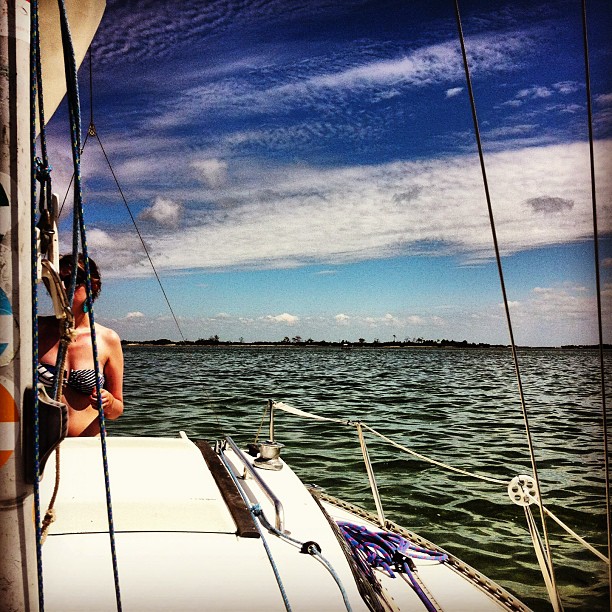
460, 407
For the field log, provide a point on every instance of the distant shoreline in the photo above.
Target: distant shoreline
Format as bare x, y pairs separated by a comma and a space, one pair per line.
450, 344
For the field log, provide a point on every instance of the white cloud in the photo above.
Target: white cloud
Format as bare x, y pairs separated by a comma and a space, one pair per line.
342, 319
536, 91
134, 315
223, 315
453, 91
212, 172
314, 215
163, 211
542, 92
285, 318
604, 99
380, 78
570, 308
99, 239
415, 320
567, 87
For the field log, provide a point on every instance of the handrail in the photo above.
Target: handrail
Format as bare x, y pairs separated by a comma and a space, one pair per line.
278, 506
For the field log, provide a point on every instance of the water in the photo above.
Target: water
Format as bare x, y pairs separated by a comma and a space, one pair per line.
460, 407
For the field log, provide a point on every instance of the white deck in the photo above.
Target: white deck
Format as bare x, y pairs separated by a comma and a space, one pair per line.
176, 542
177, 547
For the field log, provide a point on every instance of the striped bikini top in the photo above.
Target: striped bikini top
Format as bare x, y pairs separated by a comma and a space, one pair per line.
83, 381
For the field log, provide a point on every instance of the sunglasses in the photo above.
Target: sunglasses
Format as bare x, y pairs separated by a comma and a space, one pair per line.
81, 278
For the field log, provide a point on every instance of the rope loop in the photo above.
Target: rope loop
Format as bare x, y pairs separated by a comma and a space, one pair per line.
42, 170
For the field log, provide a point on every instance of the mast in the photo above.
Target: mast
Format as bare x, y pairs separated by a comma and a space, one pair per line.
18, 578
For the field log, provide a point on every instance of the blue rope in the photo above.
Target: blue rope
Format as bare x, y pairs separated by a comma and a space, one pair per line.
36, 90
79, 229
253, 509
257, 513
312, 549
315, 553
386, 550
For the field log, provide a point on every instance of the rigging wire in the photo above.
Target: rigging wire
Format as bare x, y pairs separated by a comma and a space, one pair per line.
92, 131
602, 370
556, 604
498, 481
140, 236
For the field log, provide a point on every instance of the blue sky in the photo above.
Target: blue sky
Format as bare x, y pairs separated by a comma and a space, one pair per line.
309, 168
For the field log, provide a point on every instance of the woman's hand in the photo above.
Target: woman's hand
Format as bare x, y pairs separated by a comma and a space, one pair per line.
111, 406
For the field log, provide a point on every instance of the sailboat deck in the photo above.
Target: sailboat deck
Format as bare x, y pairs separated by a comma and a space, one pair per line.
176, 541
178, 546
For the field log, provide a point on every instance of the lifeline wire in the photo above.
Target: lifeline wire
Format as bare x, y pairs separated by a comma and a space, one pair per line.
348, 422
602, 371
555, 599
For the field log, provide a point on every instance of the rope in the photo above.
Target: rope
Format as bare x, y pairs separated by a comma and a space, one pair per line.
433, 461
316, 417
602, 369
386, 550
304, 414
50, 514
554, 595
79, 229
256, 512
312, 549
571, 532
35, 90
263, 417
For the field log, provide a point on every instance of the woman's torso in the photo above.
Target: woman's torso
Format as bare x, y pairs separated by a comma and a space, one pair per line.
80, 374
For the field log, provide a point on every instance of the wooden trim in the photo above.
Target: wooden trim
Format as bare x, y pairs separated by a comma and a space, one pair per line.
245, 525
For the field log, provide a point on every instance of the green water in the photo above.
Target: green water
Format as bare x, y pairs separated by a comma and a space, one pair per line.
460, 407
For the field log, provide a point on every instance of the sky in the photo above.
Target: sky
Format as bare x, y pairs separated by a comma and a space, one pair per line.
309, 168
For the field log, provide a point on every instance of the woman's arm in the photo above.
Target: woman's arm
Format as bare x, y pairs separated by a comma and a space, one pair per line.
112, 394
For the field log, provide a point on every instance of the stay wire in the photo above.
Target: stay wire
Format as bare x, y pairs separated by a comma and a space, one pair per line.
144, 246
93, 131
558, 603
602, 369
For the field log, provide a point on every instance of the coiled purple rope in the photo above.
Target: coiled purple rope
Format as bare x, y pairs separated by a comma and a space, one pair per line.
388, 551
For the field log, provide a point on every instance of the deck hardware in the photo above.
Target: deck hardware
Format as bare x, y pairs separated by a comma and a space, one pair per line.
278, 506
269, 456
522, 490
307, 548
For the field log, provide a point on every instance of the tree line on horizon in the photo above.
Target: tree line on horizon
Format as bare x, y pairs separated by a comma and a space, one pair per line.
299, 341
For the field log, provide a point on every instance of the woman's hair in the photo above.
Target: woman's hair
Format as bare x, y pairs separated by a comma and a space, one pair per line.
65, 272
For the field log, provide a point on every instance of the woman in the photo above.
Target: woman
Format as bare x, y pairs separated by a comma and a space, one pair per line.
79, 387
